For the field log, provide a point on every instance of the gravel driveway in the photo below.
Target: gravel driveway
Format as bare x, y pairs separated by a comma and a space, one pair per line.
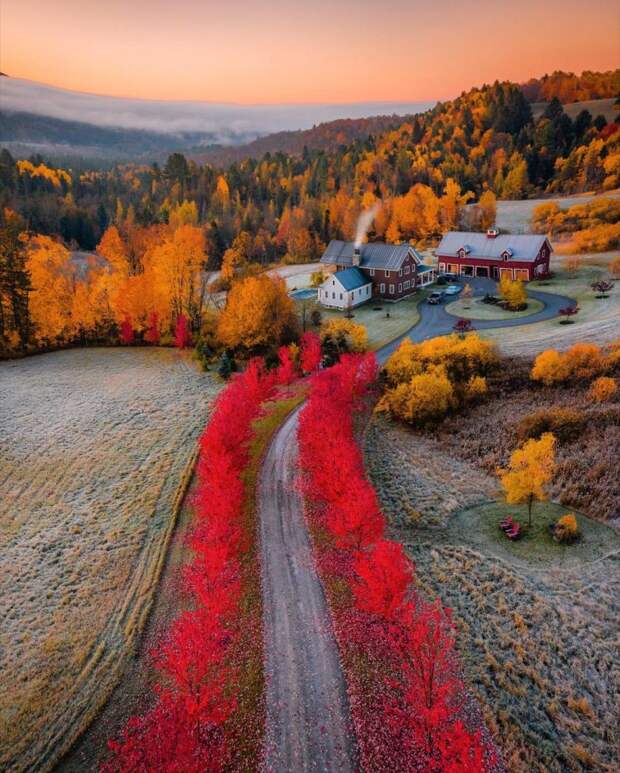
307, 724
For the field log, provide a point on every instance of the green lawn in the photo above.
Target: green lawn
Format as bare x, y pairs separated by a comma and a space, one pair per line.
479, 527
383, 328
474, 308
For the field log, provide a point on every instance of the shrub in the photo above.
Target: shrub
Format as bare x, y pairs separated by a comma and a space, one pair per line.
127, 334
427, 380
602, 287
549, 367
190, 724
564, 423
425, 398
152, 335
585, 360
612, 354
462, 326
342, 336
476, 387
602, 389
182, 333
566, 529
566, 312
581, 361
398, 649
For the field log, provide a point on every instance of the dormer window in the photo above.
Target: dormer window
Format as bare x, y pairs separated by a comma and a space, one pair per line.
461, 253
507, 254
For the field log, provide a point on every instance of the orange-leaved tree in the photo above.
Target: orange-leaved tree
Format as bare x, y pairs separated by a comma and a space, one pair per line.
530, 469
259, 313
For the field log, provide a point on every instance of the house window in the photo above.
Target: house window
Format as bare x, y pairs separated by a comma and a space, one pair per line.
340, 296
400, 287
442, 268
400, 273
391, 289
387, 274
371, 272
407, 269
334, 296
407, 284
367, 289
382, 288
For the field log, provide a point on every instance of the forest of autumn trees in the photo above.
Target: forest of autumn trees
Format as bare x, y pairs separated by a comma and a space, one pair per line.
157, 229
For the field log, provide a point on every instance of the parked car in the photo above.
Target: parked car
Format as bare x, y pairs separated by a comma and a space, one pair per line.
435, 297
453, 289
449, 276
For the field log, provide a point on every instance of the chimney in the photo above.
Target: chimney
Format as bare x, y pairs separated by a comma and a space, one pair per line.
357, 256
492, 233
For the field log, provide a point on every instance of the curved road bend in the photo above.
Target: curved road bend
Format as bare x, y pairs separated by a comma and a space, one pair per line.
308, 725
435, 320
308, 722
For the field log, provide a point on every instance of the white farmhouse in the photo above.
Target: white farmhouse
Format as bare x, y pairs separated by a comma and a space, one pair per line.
345, 289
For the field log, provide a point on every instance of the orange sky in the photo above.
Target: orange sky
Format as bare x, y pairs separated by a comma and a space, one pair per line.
315, 51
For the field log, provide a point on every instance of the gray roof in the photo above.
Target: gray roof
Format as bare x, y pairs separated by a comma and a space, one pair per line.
523, 247
373, 254
351, 278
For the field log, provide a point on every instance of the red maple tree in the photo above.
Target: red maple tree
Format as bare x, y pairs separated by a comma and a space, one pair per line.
127, 334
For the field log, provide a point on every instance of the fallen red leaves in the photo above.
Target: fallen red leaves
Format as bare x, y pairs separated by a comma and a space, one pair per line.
407, 700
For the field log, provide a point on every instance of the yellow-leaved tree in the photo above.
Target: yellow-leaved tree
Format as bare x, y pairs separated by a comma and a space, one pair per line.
355, 334
513, 293
530, 469
52, 279
258, 314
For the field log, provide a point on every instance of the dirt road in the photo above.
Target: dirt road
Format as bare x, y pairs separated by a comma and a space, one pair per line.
307, 722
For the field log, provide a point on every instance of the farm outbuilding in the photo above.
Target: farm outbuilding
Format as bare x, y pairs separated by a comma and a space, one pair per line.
493, 255
345, 289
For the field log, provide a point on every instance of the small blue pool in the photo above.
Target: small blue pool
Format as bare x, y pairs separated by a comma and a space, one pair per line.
303, 294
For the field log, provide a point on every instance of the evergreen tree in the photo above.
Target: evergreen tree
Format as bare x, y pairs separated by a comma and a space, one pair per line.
14, 282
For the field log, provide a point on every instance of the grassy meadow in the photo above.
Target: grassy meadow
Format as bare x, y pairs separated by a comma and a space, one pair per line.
96, 451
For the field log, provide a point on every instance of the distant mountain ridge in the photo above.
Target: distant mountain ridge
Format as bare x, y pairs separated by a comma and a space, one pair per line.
222, 134
57, 122
325, 136
30, 133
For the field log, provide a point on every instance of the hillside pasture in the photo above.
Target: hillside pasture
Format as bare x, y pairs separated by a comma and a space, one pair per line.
595, 107
537, 630
96, 449
516, 216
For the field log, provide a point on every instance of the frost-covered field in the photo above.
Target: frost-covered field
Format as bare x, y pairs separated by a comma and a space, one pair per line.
538, 640
94, 444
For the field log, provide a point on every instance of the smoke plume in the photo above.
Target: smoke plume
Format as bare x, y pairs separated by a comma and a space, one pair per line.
363, 223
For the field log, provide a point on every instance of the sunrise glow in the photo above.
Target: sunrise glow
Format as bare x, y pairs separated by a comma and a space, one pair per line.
255, 51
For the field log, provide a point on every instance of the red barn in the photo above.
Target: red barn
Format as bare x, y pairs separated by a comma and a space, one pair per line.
494, 255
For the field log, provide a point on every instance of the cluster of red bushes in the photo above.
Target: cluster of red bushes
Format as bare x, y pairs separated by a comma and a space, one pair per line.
197, 708
408, 703
182, 333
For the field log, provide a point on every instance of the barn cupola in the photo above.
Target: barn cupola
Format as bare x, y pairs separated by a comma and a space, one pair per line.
492, 233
